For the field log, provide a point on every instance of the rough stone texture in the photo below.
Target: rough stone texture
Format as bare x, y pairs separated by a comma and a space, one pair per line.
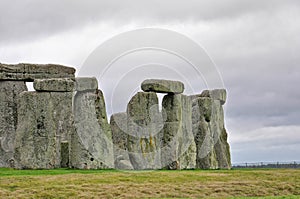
188, 148
222, 150
44, 121
30, 72
54, 85
91, 143
204, 135
9, 94
86, 83
124, 165
64, 154
162, 86
216, 94
178, 147
118, 124
210, 134
143, 131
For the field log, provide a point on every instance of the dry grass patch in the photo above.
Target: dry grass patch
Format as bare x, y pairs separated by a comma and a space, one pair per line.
154, 184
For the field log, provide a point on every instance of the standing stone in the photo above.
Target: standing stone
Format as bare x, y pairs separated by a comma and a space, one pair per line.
44, 122
203, 122
187, 158
162, 86
143, 131
30, 72
9, 94
178, 149
118, 124
209, 131
91, 143
222, 150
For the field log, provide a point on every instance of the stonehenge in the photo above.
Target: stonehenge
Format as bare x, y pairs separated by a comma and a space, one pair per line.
91, 143
63, 124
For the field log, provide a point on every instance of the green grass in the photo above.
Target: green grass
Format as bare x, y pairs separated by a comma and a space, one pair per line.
67, 183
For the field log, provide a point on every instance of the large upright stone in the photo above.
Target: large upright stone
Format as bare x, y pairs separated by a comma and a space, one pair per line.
204, 132
44, 122
162, 86
91, 143
144, 127
54, 85
118, 124
30, 72
9, 94
178, 150
209, 132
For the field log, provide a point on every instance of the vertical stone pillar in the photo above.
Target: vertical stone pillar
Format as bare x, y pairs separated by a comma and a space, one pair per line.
118, 124
9, 96
178, 149
209, 130
204, 129
44, 121
143, 131
91, 143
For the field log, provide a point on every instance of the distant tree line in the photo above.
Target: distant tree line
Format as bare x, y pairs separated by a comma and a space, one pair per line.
287, 165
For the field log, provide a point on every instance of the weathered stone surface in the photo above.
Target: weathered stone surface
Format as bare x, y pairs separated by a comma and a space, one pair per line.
64, 154
222, 150
30, 72
143, 131
44, 122
118, 124
210, 135
9, 94
216, 94
178, 147
86, 84
162, 86
54, 85
202, 116
91, 143
187, 158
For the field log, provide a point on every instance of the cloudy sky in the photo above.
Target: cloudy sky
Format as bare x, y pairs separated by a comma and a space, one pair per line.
255, 45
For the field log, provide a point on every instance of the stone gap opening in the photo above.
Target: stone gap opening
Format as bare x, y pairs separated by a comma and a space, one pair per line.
29, 86
160, 99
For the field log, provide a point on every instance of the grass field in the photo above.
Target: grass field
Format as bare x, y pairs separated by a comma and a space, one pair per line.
265, 183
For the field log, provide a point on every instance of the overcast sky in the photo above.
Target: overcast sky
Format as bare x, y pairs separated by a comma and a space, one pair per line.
255, 45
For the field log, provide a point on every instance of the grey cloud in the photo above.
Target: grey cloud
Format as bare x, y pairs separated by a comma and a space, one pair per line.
30, 19
267, 144
260, 66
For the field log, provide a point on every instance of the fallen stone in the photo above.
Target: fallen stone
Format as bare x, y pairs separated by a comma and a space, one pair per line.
162, 86
54, 85
9, 94
30, 72
143, 131
86, 84
91, 143
44, 122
